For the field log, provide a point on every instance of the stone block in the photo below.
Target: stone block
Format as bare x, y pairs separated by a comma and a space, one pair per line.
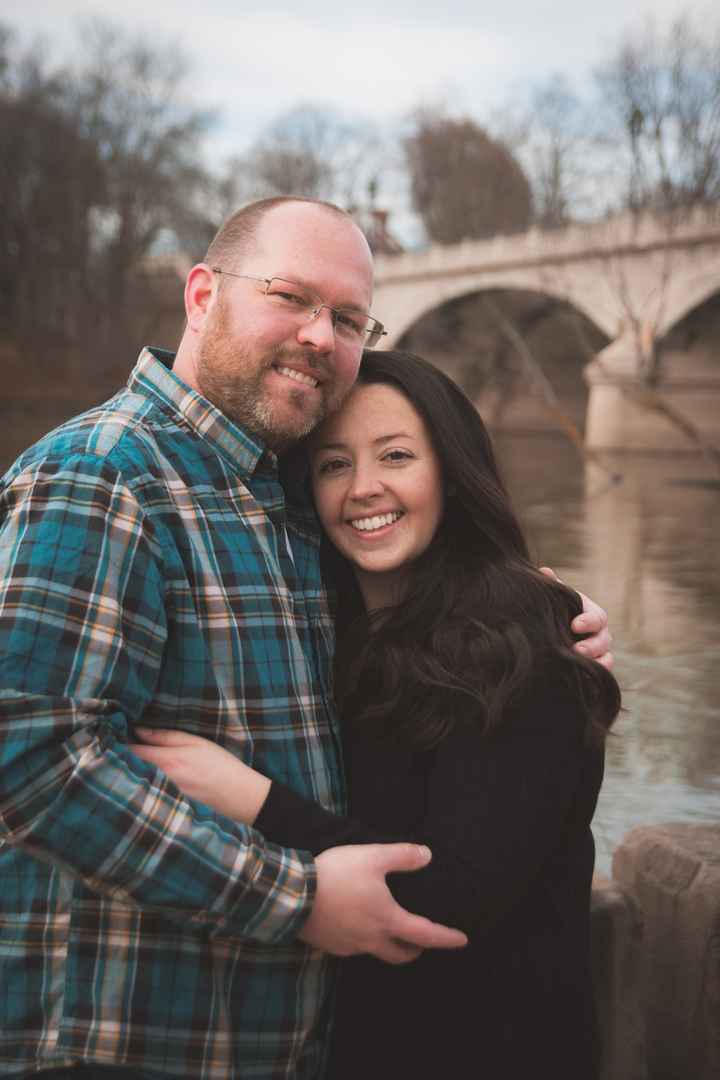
616, 931
673, 871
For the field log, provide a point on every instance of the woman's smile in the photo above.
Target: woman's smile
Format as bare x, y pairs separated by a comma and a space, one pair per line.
378, 524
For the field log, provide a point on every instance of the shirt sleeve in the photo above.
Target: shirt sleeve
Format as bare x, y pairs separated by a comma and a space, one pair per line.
82, 631
496, 810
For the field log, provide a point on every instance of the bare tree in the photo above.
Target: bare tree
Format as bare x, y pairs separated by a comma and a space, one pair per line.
314, 151
98, 162
51, 180
464, 183
127, 100
661, 93
294, 155
554, 141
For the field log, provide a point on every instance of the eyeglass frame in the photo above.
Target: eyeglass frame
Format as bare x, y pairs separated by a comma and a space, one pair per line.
377, 333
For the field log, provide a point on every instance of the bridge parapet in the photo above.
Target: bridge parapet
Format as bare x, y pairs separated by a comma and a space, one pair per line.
622, 234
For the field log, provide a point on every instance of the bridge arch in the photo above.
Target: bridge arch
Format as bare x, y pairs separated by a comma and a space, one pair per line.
692, 294
504, 346
688, 353
408, 307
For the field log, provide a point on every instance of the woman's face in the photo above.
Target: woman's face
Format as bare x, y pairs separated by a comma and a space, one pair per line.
378, 487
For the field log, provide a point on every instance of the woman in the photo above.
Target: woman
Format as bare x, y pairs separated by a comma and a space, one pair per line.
469, 724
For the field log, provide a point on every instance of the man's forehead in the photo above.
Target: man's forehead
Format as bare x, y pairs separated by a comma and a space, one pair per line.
308, 237
299, 214
316, 247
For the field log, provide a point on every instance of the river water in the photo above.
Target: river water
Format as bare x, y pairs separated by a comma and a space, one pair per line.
646, 548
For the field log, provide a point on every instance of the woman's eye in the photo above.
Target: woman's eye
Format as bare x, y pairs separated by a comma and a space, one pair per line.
331, 466
397, 455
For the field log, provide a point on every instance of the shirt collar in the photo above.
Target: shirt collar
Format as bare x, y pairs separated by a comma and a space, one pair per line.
152, 376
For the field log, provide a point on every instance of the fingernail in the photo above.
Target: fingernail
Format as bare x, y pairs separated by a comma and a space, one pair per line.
425, 851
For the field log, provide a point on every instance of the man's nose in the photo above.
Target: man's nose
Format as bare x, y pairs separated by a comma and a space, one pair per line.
318, 331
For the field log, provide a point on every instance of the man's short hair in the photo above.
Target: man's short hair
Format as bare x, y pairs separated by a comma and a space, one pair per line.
235, 236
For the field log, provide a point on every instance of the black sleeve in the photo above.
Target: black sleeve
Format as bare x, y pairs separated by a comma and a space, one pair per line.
497, 808
287, 814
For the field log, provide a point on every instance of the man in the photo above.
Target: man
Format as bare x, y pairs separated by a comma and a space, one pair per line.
153, 573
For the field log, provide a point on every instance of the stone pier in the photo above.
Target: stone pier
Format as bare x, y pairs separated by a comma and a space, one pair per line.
679, 413
616, 929
672, 872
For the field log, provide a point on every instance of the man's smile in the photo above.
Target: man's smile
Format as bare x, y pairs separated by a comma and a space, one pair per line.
297, 376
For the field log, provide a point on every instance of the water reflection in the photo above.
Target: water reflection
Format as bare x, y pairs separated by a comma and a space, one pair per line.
647, 549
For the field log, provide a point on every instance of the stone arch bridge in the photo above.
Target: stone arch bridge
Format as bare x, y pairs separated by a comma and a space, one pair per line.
634, 277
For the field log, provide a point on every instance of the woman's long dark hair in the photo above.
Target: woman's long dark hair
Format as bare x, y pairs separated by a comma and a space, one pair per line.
479, 624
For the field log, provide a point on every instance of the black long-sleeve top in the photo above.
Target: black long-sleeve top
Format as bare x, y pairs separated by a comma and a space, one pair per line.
507, 818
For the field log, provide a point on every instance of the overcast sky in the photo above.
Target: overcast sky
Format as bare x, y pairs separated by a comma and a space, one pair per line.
378, 57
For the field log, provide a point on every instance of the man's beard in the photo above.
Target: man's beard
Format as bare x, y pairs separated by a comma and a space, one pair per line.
234, 381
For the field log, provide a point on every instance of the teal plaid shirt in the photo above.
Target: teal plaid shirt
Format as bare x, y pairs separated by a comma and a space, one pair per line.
151, 572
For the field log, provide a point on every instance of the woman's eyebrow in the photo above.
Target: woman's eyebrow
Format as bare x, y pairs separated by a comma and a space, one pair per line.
395, 435
329, 446
380, 439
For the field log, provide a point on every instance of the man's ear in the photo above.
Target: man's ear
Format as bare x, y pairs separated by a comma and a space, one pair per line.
200, 291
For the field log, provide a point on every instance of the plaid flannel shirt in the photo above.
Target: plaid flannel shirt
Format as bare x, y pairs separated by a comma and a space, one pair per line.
146, 576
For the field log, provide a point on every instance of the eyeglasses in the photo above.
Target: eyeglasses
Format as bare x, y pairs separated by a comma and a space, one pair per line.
355, 327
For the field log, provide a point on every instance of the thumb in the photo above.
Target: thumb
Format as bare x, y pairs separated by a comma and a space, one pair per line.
394, 858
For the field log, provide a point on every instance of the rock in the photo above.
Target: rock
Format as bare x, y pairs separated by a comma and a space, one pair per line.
616, 929
673, 871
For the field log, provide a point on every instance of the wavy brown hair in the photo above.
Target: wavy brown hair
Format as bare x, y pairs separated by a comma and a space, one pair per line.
479, 624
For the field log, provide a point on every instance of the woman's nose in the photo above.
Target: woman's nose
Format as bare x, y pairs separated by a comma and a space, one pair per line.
366, 484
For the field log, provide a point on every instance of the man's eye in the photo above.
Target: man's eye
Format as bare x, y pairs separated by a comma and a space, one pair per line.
349, 322
287, 297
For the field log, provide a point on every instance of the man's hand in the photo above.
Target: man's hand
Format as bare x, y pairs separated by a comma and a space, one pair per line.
354, 911
593, 621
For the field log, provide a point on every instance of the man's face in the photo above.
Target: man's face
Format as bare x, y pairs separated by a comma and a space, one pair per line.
275, 375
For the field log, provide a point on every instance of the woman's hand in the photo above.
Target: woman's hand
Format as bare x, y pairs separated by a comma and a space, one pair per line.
205, 771
593, 621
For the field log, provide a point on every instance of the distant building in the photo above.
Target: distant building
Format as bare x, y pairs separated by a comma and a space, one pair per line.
374, 223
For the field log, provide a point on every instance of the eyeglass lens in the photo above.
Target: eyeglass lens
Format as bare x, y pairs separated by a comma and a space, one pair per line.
348, 323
